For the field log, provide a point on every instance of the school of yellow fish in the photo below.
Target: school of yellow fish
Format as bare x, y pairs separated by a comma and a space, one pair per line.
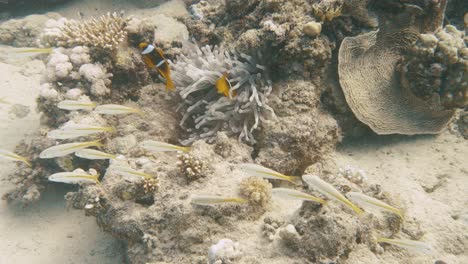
154, 58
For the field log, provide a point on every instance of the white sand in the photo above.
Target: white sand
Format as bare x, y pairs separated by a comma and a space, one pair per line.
45, 232
430, 174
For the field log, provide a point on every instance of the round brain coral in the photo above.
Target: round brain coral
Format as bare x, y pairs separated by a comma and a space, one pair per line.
256, 190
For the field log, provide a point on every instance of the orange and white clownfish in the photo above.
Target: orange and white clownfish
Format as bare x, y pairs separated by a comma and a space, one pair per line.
223, 85
154, 57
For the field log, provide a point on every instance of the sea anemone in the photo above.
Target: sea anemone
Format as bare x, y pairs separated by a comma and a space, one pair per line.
205, 110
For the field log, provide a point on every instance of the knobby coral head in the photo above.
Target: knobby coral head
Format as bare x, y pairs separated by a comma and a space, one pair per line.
207, 105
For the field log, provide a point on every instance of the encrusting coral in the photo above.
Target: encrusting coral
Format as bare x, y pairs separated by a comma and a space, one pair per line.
206, 111
437, 65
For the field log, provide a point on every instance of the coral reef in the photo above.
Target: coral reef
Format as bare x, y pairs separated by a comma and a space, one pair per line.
224, 252
355, 175
106, 32
302, 133
286, 29
367, 71
270, 228
24, 32
204, 110
151, 211
29, 182
436, 65
462, 124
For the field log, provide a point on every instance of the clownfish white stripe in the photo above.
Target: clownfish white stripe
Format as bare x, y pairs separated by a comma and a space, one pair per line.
148, 49
160, 63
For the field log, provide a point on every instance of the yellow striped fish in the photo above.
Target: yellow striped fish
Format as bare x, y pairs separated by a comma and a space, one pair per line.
68, 148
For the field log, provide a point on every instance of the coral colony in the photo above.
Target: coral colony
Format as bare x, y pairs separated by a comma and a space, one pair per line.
135, 157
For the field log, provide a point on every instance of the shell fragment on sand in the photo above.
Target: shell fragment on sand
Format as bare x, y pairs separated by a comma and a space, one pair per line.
328, 190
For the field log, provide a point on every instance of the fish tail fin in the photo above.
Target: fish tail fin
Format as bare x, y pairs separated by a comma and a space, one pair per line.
382, 239
170, 86
237, 200
98, 182
3, 101
139, 112
318, 200
399, 213
97, 143
110, 129
355, 208
185, 149
294, 180
25, 160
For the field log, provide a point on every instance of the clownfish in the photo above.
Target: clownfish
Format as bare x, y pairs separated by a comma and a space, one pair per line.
223, 85
153, 57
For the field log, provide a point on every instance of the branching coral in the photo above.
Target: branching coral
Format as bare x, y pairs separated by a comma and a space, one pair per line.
150, 185
205, 111
106, 32
190, 166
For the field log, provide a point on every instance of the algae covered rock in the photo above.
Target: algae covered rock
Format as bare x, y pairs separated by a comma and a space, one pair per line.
436, 67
